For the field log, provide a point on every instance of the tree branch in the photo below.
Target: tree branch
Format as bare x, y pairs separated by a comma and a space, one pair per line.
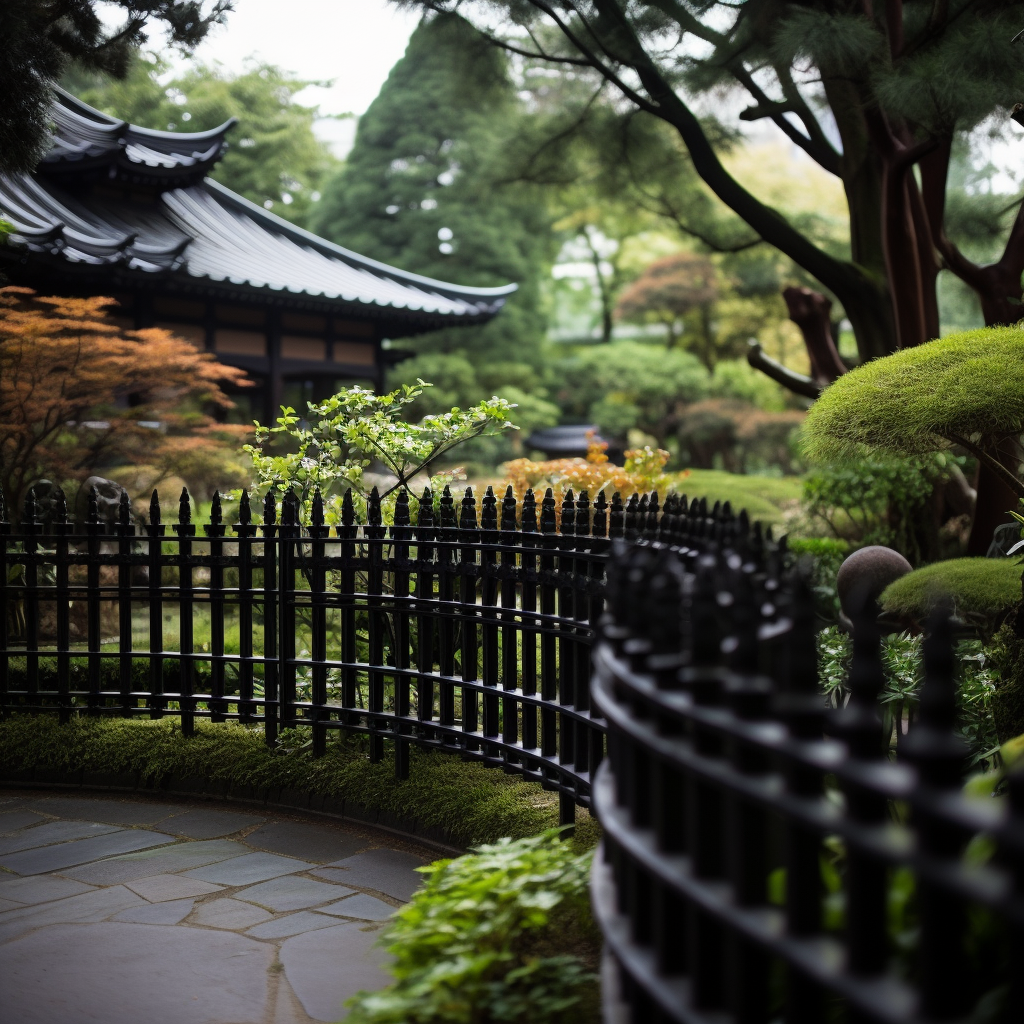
789, 379
994, 464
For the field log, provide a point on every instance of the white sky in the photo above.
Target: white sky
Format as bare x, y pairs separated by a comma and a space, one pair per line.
353, 42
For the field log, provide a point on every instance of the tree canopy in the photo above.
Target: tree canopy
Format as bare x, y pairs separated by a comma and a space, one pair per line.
41, 39
422, 187
274, 157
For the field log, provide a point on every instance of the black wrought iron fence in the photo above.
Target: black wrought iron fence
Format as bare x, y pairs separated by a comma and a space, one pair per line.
468, 630
766, 860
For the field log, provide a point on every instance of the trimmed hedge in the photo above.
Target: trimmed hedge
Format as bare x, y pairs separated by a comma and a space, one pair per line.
470, 802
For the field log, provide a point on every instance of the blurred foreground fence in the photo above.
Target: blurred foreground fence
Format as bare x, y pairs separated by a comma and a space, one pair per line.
765, 859
469, 631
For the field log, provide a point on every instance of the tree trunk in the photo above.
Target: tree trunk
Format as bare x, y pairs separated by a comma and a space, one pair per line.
810, 311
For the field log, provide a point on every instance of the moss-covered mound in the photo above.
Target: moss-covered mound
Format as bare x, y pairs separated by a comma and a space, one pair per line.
470, 802
983, 590
920, 399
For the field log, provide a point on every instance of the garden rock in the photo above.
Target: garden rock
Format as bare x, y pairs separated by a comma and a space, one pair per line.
872, 569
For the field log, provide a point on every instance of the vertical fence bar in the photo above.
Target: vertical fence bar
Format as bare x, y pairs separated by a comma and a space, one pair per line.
509, 631
446, 625
93, 528
347, 581
155, 535
489, 602
375, 533
125, 537
426, 625
215, 531
185, 529
271, 544
62, 527
530, 627
548, 640
290, 540
318, 533
245, 531
7, 604
401, 534
468, 541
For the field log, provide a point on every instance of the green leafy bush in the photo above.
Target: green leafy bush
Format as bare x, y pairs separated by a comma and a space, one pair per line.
880, 500
502, 935
902, 662
983, 590
826, 555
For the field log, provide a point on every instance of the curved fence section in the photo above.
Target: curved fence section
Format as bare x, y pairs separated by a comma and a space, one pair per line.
466, 626
765, 859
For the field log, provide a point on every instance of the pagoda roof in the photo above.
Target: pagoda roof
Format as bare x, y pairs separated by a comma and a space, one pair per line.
195, 233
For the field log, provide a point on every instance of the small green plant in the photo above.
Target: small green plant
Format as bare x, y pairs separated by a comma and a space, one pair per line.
502, 935
825, 556
343, 436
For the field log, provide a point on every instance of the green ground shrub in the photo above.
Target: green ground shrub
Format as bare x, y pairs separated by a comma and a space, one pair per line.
473, 803
983, 591
764, 497
502, 935
825, 555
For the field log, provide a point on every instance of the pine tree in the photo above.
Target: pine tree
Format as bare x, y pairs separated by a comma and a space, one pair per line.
422, 186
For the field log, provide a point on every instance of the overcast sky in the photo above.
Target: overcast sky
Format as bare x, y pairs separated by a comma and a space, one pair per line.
353, 42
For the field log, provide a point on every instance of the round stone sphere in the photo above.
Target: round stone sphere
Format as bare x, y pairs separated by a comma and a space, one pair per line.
873, 567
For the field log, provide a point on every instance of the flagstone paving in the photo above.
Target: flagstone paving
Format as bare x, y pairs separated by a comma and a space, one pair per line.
175, 912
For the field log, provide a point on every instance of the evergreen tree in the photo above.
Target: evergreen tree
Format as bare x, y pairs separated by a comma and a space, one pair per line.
422, 187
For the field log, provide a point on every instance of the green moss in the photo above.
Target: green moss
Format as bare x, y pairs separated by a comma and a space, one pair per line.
471, 802
915, 400
763, 497
982, 589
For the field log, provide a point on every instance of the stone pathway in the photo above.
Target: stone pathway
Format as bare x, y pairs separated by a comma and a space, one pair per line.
173, 912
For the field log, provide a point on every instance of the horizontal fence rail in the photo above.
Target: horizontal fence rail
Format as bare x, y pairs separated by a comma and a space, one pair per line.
467, 630
766, 859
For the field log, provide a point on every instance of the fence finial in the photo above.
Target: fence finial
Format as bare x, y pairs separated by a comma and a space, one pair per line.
184, 508
402, 508
3, 505
529, 521
651, 522
467, 513
31, 509
93, 514
547, 512
508, 510
124, 510
316, 514
348, 511
61, 510
154, 509
632, 515
705, 630
599, 527
489, 510
447, 509
859, 722
583, 514
216, 512
374, 516
568, 516
616, 517
244, 509
269, 509
425, 519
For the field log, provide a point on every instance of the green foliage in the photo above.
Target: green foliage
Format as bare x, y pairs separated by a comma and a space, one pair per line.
472, 803
880, 499
983, 590
765, 498
977, 678
349, 431
967, 387
425, 186
274, 159
825, 555
502, 935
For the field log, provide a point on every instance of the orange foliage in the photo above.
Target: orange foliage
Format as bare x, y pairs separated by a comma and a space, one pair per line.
76, 393
642, 472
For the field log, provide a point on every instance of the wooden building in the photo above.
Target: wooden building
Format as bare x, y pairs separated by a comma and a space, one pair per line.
114, 209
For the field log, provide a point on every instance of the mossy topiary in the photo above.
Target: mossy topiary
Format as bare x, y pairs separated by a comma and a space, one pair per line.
983, 591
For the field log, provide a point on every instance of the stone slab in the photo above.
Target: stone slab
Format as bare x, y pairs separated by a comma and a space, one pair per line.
119, 812
291, 924
292, 892
89, 906
391, 872
320, 843
247, 870
118, 973
157, 913
53, 832
11, 821
202, 824
287, 1008
9, 905
161, 888
362, 907
53, 858
40, 889
326, 967
166, 859
231, 914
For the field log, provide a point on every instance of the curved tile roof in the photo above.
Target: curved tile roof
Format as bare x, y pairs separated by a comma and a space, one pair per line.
200, 230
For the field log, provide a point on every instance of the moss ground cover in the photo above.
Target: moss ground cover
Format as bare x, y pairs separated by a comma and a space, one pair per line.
471, 802
764, 497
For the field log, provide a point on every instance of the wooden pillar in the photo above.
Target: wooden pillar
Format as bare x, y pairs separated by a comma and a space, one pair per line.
275, 379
